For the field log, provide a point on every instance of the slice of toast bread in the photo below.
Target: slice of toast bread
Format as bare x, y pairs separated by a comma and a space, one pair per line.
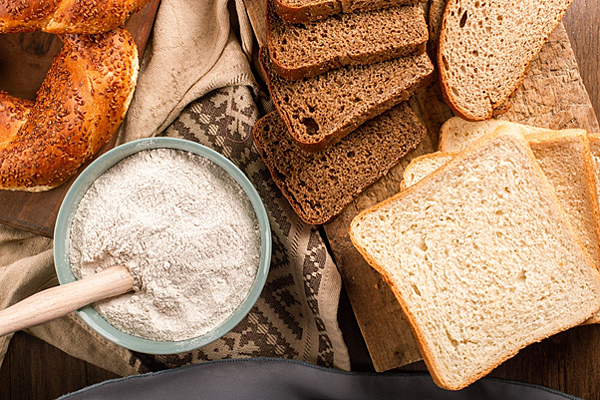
564, 156
304, 50
456, 133
486, 47
300, 11
319, 186
422, 166
481, 257
321, 110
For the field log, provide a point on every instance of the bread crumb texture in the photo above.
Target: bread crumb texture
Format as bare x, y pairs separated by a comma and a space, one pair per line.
487, 46
315, 47
482, 260
321, 110
320, 185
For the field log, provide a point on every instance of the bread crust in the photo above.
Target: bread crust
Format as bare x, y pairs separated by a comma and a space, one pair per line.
316, 11
321, 142
376, 172
509, 134
333, 60
492, 109
78, 108
66, 16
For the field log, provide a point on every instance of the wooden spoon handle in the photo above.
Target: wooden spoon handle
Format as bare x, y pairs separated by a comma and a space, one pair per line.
58, 301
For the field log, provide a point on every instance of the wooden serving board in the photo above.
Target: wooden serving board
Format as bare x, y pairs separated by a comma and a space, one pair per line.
24, 60
552, 96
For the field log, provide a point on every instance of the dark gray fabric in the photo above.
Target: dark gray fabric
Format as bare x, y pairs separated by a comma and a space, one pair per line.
289, 379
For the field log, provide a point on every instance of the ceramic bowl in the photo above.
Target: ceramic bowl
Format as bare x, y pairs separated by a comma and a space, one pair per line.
62, 242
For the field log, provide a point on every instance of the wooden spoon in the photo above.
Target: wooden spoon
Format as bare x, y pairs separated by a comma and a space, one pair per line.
58, 301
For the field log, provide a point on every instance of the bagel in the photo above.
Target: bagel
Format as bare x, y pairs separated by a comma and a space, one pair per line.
80, 105
65, 16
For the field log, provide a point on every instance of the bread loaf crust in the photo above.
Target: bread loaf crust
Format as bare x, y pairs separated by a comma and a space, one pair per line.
78, 108
66, 16
316, 10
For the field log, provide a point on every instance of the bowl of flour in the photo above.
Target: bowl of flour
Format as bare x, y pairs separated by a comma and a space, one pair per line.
188, 225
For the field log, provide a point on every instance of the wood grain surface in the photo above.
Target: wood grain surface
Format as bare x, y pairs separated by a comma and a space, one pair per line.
24, 61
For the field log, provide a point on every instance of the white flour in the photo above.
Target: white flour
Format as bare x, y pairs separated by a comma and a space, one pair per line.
186, 231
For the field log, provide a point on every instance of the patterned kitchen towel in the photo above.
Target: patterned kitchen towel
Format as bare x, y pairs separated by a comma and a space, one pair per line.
296, 314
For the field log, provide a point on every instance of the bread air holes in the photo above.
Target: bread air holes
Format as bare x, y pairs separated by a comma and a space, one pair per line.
311, 125
415, 289
463, 19
521, 278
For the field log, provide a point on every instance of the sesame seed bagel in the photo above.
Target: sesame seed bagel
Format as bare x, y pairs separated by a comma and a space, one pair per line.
79, 106
65, 16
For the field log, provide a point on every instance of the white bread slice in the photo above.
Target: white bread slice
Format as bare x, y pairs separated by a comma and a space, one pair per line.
422, 166
565, 158
456, 133
594, 139
481, 257
486, 47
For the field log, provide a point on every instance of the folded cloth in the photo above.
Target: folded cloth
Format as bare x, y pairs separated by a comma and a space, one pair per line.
192, 51
296, 314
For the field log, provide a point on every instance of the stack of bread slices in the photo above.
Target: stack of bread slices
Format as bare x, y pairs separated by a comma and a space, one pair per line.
339, 75
492, 244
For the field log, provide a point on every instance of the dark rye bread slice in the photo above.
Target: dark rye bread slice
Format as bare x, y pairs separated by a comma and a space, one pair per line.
304, 50
319, 186
298, 11
321, 110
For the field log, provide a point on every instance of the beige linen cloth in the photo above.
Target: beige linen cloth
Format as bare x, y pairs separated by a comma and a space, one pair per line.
196, 83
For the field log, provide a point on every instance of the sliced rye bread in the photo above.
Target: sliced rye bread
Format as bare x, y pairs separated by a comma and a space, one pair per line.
300, 11
321, 110
304, 50
481, 257
319, 186
486, 47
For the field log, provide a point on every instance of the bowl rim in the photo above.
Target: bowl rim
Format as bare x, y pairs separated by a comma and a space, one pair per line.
70, 205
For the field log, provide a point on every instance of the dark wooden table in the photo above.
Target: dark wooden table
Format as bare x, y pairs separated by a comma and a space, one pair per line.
36, 370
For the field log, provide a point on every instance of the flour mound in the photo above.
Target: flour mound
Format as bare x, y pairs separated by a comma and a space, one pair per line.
186, 231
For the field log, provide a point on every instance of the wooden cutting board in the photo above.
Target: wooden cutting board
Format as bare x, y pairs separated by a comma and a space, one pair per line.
24, 61
552, 96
